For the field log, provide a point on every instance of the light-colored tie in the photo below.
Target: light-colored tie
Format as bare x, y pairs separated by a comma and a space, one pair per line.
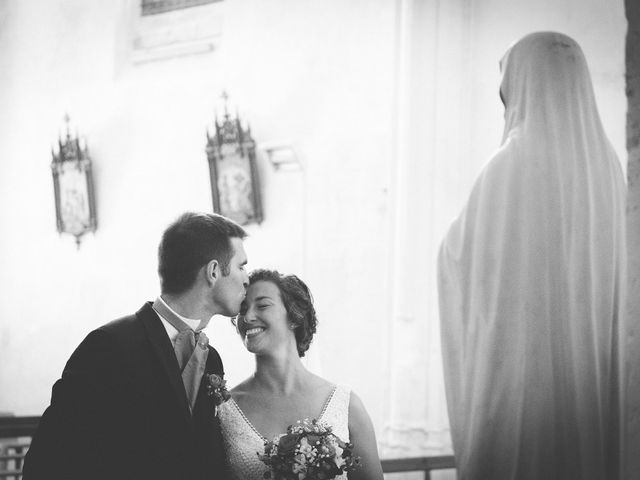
191, 349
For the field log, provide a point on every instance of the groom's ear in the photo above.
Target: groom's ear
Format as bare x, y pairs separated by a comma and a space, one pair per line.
212, 271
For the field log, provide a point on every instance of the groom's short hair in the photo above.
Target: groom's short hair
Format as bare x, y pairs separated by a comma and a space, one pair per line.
189, 243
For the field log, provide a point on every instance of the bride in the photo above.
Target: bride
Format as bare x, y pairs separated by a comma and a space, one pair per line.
276, 323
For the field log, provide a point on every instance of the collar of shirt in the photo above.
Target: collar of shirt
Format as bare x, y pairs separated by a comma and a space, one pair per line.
171, 330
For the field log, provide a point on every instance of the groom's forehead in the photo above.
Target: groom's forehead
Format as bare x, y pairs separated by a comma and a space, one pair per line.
238, 249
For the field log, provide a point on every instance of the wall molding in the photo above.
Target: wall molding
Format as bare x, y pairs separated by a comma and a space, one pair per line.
177, 33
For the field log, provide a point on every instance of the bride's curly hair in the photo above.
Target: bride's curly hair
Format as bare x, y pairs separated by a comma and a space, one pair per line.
298, 302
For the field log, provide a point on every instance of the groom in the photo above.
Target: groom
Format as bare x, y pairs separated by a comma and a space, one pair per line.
132, 402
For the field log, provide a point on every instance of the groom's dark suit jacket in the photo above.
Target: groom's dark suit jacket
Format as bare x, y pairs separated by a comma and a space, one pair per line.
120, 412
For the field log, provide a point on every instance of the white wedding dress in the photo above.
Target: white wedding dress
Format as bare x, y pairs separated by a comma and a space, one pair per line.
243, 442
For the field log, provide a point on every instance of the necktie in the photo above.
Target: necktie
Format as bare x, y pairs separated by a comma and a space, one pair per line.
191, 351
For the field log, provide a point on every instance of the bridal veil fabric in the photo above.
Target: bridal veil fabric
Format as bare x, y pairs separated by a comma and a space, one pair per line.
532, 280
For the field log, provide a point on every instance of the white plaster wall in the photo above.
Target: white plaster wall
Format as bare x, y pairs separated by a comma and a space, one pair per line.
319, 75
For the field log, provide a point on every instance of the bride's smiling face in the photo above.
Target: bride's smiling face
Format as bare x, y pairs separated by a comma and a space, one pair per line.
262, 324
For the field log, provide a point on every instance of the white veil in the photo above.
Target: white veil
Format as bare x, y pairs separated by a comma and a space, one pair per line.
531, 280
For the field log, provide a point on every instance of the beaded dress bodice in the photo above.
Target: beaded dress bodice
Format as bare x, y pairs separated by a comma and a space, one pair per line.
243, 442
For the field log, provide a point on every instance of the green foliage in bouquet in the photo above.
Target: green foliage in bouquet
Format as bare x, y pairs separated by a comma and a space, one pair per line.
308, 451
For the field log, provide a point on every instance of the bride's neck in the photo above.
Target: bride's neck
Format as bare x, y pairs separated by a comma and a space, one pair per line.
281, 374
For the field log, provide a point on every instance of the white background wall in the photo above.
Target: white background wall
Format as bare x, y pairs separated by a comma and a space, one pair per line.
311, 75
393, 108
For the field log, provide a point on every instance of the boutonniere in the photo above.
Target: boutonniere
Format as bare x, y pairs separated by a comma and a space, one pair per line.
217, 390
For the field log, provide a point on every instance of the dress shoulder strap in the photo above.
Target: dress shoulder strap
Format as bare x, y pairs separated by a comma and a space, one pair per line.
336, 412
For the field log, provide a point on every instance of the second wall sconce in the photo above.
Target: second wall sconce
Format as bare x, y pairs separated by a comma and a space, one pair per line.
231, 153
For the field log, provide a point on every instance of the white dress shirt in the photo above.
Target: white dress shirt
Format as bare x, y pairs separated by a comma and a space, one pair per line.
171, 330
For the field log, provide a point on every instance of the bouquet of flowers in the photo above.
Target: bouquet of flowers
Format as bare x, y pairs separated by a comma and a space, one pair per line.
308, 451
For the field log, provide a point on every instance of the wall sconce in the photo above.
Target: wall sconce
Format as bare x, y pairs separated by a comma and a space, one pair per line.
281, 155
231, 153
73, 187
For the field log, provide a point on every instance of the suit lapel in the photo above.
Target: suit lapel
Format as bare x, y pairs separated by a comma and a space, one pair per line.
209, 442
164, 350
214, 365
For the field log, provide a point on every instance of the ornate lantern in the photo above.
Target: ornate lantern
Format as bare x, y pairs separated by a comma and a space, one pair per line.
231, 153
73, 187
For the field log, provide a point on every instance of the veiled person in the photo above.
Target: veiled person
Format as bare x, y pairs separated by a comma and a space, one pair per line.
531, 279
